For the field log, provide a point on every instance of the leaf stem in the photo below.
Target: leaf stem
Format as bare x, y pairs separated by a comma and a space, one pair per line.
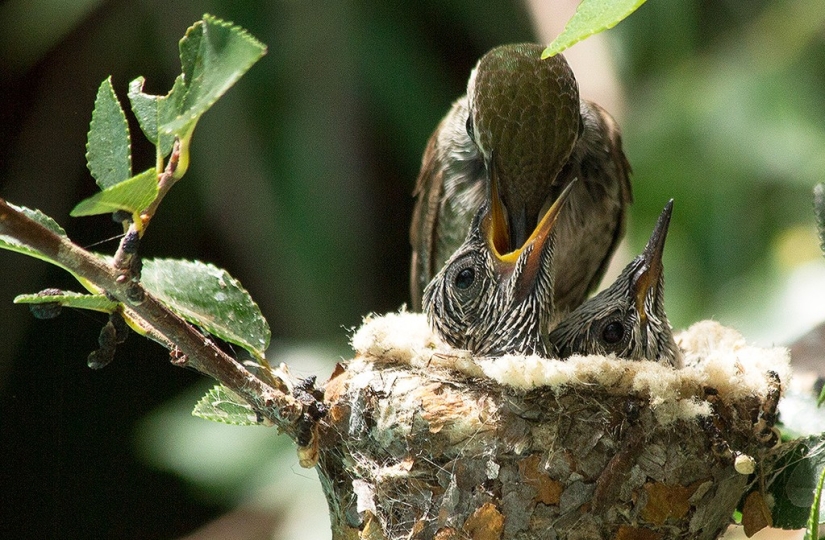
125, 256
166, 180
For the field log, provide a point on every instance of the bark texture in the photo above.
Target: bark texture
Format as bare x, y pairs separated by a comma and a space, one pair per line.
425, 451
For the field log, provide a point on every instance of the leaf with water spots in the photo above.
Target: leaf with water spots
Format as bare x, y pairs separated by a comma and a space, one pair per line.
210, 298
94, 302
223, 405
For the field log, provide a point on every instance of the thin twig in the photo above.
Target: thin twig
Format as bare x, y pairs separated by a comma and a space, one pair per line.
165, 182
126, 254
190, 347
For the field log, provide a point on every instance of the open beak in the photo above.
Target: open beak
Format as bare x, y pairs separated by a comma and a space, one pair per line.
647, 277
496, 227
497, 233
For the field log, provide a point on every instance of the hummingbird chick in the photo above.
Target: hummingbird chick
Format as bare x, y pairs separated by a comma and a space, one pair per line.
494, 302
523, 125
628, 318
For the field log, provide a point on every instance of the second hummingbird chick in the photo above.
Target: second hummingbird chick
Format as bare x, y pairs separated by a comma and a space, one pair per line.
628, 318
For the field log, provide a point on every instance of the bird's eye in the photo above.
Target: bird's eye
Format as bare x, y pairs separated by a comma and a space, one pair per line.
469, 127
464, 279
613, 332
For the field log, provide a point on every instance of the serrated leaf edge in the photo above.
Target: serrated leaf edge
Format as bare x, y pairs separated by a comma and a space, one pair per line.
191, 316
107, 83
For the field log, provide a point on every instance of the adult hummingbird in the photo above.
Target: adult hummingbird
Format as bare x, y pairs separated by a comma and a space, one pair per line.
628, 318
522, 123
491, 301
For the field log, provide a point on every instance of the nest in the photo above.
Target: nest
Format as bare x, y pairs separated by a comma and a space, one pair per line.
425, 441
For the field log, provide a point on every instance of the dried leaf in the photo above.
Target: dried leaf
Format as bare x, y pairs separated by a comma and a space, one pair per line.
665, 501
447, 533
486, 523
548, 491
755, 514
372, 528
626, 532
308, 455
336, 385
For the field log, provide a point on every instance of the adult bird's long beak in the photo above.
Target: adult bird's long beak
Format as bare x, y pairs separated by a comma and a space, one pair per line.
496, 229
647, 277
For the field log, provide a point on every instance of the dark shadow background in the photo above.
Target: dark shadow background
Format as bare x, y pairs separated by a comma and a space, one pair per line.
300, 187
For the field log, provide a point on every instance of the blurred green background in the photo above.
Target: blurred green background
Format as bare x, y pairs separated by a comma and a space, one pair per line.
300, 187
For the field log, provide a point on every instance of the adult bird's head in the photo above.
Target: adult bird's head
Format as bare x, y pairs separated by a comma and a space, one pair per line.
491, 300
628, 318
524, 116
522, 127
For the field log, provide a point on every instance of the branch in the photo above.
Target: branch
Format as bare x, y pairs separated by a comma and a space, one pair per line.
127, 249
190, 348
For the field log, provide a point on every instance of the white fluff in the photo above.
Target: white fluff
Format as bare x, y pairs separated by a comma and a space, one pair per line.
715, 356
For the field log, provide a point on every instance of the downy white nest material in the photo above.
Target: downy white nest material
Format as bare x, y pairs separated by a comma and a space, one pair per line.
715, 356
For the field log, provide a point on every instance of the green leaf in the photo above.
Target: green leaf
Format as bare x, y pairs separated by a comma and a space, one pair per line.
221, 404
39, 217
108, 149
812, 531
214, 54
94, 302
591, 17
819, 212
209, 297
154, 111
132, 195
13, 244
796, 481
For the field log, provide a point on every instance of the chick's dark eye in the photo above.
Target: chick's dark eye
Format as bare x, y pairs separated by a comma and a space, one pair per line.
613, 332
464, 279
469, 127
